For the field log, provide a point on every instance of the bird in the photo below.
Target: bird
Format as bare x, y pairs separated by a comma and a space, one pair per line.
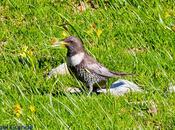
84, 67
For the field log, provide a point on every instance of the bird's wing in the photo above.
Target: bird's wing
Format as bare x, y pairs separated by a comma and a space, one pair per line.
99, 69
93, 66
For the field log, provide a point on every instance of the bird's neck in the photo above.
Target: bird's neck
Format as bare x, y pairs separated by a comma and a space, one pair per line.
72, 52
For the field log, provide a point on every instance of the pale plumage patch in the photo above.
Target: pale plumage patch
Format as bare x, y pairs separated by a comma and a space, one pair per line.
76, 59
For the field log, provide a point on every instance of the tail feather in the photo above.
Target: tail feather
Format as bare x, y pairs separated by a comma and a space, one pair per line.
122, 74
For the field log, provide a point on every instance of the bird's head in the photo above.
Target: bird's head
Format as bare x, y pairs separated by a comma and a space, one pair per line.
72, 43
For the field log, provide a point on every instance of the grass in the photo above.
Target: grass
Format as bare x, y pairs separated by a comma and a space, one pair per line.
130, 36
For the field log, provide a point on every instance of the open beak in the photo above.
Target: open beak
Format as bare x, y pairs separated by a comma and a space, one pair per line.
56, 43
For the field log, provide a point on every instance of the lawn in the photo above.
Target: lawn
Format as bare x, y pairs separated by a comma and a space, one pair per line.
133, 36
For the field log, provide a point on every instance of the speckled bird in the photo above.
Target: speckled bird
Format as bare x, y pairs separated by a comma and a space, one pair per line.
84, 67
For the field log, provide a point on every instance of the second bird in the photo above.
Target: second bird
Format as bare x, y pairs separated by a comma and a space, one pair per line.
84, 67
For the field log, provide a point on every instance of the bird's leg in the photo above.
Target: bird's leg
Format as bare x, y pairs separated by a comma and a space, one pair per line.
90, 89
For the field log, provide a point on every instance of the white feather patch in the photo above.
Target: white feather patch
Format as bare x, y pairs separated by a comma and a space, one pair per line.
76, 59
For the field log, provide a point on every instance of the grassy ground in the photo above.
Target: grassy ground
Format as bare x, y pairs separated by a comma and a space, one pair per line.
134, 36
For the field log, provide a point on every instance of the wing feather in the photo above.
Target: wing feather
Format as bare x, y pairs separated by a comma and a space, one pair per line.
100, 70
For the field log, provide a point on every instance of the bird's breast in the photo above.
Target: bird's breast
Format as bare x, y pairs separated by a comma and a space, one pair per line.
75, 59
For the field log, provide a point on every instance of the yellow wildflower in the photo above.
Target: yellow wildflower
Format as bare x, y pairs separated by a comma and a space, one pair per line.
98, 32
32, 108
18, 115
64, 34
17, 110
23, 52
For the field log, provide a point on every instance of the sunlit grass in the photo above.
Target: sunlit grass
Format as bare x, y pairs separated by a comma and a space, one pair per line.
130, 36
